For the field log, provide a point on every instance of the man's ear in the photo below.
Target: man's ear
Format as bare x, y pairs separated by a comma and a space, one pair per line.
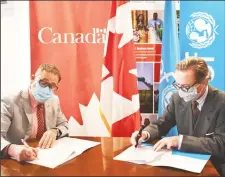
205, 81
32, 77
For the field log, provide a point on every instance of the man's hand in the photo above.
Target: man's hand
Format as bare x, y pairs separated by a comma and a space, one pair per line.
168, 142
48, 139
22, 153
134, 135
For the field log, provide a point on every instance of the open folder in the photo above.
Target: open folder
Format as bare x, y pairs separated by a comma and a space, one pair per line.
146, 155
63, 150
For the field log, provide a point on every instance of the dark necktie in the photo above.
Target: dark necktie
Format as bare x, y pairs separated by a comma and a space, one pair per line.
155, 26
195, 112
41, 120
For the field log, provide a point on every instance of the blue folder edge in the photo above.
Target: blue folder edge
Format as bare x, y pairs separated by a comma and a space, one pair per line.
187, 154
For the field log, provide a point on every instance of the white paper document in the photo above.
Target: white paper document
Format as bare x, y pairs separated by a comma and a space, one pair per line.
63, 150
145, 155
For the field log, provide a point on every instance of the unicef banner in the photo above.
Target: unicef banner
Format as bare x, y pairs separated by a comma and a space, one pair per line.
202, 34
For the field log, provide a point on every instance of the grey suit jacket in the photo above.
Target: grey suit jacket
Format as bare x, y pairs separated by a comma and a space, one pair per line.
17, 117
208, 134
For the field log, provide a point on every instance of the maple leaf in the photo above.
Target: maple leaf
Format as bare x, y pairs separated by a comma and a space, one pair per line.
119, 62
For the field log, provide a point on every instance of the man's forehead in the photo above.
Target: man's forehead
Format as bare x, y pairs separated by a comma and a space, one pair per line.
186, 77
48, 76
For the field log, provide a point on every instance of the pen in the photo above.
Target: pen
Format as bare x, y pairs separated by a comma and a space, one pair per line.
25, 144
146, 123
137, 138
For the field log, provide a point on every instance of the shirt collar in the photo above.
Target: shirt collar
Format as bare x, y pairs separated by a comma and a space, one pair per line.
201, 100
33, 102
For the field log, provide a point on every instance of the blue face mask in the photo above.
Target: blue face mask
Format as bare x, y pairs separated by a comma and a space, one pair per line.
41, 94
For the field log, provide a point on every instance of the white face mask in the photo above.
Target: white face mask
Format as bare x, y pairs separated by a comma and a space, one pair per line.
192, 94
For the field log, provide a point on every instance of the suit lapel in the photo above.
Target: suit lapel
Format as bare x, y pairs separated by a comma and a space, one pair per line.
48, 115
25, 101
206, 115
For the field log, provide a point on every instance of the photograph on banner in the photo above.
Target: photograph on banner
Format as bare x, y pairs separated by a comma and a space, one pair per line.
145, 74
155, 24
156, 97
151, 117
147, 26
147, 30
140, 26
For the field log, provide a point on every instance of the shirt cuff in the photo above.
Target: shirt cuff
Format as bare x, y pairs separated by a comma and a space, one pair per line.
148, 136
4, 153
58, 132
180, 141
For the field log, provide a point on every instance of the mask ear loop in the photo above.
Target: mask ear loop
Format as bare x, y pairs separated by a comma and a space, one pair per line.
201, 90
207, 77
34, 79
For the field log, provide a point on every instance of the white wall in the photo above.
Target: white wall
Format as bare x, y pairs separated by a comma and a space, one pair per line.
15, 46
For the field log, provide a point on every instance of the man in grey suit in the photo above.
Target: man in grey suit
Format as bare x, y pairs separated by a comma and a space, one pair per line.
198, 111
32, 113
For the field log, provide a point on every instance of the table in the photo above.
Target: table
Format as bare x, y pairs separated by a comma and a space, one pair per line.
98, 161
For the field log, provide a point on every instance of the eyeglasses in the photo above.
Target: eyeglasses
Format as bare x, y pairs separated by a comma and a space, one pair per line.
183, 88
46, 84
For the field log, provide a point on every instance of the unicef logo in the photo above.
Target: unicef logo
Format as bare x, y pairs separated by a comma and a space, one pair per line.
201, 30
166, 94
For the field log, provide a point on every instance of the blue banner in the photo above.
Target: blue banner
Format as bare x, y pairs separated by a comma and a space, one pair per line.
170, 56
202, 34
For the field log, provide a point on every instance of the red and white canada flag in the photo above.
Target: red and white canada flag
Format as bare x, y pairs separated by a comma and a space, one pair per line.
119, 98
98, 92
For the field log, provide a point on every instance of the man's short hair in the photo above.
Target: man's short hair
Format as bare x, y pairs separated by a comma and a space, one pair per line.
49, 68
198, 65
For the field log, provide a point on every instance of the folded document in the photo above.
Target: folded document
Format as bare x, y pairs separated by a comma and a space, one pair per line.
63, 150
146, 155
